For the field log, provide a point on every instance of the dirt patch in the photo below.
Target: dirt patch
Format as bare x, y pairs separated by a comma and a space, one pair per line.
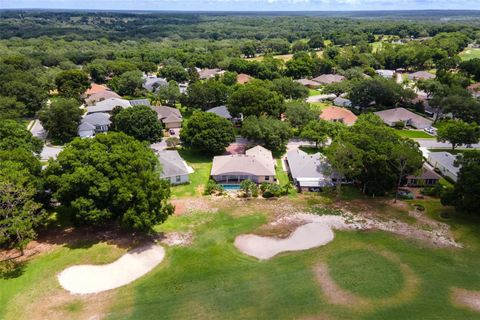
177, 238
466, 298
62, 305
189, 205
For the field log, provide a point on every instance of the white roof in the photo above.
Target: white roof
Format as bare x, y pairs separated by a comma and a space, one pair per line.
108, 105
256, 161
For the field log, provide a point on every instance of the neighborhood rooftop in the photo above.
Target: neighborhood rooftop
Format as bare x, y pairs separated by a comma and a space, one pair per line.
172, 164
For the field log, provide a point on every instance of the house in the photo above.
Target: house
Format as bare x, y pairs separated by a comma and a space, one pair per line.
310, 172
204, 74
170, 117
243, 78
342, 102
308, 83
94, 123
152, 83
337, 114
321, 97
421, 75
444, 162
388, 74
108, 105
100, 96
174, 168
256, 164
391, 116
427, 177
140, 102
474, 89
221, 111
329, 78
95, 88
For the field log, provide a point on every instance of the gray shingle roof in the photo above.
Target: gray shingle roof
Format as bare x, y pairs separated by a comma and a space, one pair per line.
167, 112
402, 114
309, 170
172, 164
108, 105
152, 83
140, 102
329, 78
445, 159
97, 119
221, 111
421, 75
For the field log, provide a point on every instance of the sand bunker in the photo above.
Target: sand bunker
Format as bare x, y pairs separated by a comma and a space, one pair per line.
466, 298
305, 237
131, 266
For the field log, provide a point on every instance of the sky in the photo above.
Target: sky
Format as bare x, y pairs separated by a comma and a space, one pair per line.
244, 5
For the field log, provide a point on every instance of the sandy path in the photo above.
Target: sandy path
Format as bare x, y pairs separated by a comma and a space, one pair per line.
97, 278
305, 237
466, 298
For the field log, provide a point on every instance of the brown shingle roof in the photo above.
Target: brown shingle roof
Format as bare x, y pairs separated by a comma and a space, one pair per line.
338, 114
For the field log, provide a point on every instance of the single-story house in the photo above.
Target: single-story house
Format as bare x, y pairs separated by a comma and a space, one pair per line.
329, 78
310, 172
108, 105
308, 83
474, 89
243, 78
170, 117
204, 74
256, 164
421, 75
94, 123
427, 177
152, 83
174, 168
100, 96
337, 114
223, 112
342, 102
95, 88
392, 116
445, 163
140, 102
388, 74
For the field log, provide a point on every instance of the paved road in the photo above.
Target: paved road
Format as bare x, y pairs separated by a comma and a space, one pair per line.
434, 144
50, 152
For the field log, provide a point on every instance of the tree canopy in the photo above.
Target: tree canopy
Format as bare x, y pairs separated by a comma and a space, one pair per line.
61, 119
111, 177
208, 132
140, 122
253, 99
271, 133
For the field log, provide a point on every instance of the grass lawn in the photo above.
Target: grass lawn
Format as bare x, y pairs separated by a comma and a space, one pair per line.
414, 134
211, 279
319, 106
313, 92
470, 53
201, 164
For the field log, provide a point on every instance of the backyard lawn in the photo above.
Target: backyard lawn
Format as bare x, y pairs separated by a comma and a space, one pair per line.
283, 178
201, 165
387, 276
313, 92
414, 134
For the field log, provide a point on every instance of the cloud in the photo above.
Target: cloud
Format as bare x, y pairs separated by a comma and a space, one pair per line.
248, 5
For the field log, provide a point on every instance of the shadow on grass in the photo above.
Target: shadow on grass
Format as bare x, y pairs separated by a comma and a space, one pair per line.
195, 156
10, 269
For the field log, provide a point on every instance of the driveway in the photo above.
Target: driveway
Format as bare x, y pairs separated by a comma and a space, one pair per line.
434, 144
50, 152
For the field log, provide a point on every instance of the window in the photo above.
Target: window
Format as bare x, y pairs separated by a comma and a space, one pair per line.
267, 178
178, 178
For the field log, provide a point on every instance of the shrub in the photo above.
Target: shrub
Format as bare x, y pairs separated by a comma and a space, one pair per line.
213, 187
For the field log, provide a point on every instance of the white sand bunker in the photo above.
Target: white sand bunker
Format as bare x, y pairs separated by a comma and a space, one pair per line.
131, 266
305, 237
466, 298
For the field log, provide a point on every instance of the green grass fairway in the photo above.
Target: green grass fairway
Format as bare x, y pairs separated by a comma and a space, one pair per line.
470, 53
202, 165
414, 134
211, 279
